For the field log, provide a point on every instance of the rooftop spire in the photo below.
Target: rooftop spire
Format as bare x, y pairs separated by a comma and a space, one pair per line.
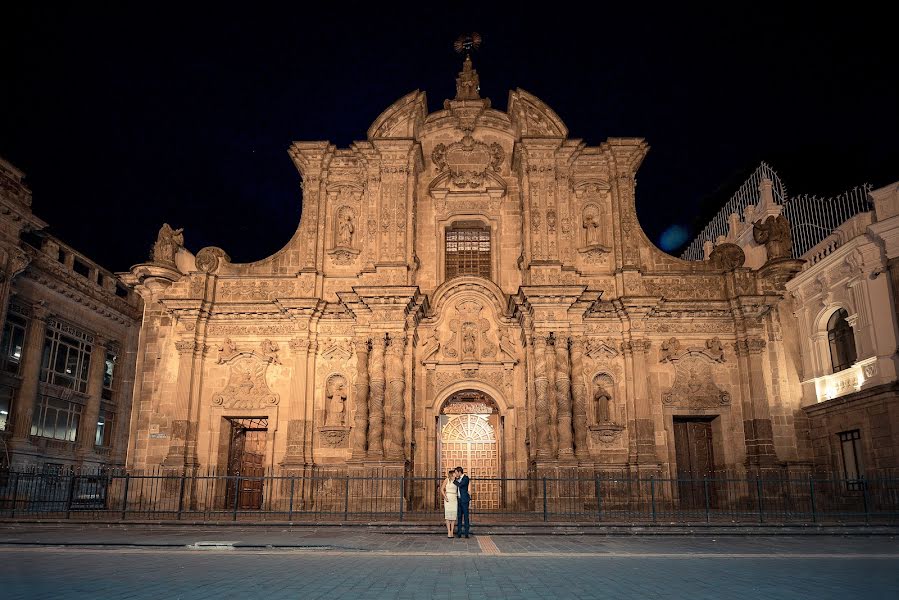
467, 83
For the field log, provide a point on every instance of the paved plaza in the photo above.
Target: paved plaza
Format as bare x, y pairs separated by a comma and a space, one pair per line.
358, 563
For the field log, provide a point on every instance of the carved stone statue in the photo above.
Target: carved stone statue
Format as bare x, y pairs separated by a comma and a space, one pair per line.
345, 231
270, 349
227, 350
467, 83
601, 404
469, 339
591, 225
775, 233
336, 394
167, 244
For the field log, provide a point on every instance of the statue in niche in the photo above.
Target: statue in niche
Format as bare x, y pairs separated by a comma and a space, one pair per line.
602, 401
335, 398
774, 233
469, 338
345, 230
167, 244
591, 226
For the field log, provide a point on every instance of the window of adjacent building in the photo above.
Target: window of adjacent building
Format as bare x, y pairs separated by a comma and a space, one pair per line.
849, 450
109, 374
56, 419
467, 250
105, 422
842, 341
6, 395
12, 343
67, 356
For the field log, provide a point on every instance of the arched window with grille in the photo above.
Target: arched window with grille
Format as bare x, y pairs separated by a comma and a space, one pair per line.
467, 250
841, 340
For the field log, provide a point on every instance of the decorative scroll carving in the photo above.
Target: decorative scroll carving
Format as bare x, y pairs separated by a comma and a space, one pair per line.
255, 290
727, 256
467, 408
209, 258
334, 437
246, 386
493, 376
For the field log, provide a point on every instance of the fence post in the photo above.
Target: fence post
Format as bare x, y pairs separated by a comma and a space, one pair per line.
865, 499
402, 495
545, 516
598, 500
758, 494
71, 494
346, 499
811, 493
705, 482
15, 496
181, 497
236, 498
290, 505
125, 495
652, 494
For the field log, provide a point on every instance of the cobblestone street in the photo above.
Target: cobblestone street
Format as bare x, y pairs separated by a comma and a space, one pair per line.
356, 563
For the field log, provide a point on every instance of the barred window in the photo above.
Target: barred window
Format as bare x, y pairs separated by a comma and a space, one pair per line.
849, 450
67, 356
105, 423
841, 340
6, 396
56, 419
12, 343
468, 250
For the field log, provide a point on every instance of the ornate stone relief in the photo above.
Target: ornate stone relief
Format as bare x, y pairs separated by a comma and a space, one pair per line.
468, 161
491, 375
210, 258
246, 387
671, 350
693, 385
255, 290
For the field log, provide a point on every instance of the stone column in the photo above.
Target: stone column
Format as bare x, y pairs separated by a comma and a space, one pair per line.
757, 425
376, 398
296, 431
31, 371
360, 423
14, 262
180, 426
579, 395
551, 403
563, 398
541, 405
394, 440
645, 443
87, 430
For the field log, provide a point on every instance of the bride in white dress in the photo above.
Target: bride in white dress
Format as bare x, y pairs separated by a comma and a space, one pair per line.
450, 502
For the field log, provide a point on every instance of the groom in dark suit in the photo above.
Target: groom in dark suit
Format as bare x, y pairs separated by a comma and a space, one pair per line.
462, 482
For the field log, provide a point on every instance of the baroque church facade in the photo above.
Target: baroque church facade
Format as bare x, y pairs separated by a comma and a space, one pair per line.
473, 287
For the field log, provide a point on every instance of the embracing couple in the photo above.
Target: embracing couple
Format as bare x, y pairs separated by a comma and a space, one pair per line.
455, 503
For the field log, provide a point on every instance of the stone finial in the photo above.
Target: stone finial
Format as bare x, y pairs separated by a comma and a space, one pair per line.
468, 85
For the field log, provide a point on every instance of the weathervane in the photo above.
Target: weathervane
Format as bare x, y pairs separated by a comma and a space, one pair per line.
467, 42
467, 83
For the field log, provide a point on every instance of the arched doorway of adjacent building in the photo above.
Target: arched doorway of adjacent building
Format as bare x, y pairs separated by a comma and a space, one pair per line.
469, 435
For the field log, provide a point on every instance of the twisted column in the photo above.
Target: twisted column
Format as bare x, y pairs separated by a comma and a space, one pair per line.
376, 398
541, 406
579, 395
360, 424
563, 398
394, 442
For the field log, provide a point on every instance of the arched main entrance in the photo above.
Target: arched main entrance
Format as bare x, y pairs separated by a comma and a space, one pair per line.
468, 429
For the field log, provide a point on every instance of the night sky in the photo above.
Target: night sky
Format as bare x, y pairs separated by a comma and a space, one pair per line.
123, 118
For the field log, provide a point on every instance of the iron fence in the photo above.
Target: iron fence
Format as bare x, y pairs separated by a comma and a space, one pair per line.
721, 499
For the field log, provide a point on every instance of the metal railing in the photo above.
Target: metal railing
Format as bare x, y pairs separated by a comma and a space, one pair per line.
719, 499
811, 218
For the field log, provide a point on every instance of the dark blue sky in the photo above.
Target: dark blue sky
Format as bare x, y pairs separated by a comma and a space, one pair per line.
125, 117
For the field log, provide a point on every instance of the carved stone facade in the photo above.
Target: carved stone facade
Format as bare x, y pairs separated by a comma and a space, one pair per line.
69, 345
587, 340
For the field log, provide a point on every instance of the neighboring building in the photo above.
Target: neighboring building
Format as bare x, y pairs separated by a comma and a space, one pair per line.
68, 346
845, 305
466, 287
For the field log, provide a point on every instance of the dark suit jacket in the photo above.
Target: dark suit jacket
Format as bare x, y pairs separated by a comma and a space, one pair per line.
462, 484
